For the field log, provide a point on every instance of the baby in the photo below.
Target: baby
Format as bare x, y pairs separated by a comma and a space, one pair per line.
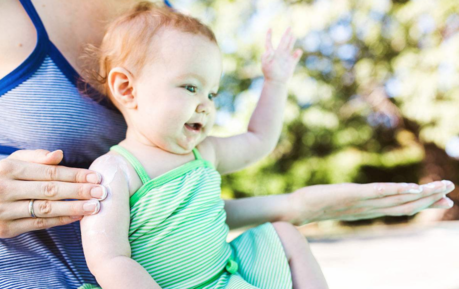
162, 224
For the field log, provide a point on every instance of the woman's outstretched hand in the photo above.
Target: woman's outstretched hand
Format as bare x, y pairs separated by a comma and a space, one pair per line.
365, 201
35, 174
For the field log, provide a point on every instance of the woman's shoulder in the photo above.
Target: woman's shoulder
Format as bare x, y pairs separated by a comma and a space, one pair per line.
111, 164
18, 36
84, 20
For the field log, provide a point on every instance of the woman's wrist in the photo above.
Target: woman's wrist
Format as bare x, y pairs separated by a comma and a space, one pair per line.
319, 202
299, 209
295, 208
257, 210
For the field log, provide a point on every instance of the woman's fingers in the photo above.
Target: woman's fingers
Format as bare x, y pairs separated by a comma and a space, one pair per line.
20, 226
22, 190
438, 186
437, 201
381, 190
411, 208
395, 200
38, 156
34, 174
21, 170
365, 201
353, 194
50, 209
443, 203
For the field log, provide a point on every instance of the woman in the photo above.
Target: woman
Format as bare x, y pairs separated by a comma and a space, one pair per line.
42, 111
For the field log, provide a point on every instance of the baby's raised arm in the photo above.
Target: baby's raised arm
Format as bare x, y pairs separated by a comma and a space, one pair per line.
105, 235
236, 152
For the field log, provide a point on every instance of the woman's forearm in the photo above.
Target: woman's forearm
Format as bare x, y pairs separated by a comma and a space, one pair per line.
257, 210
338, 202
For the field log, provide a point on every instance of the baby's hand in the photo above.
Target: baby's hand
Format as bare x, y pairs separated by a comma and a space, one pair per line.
278, 65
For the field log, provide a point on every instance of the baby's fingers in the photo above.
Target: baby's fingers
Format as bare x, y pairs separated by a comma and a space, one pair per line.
291, 43
30, 224
269, 44
297, 54
286, 40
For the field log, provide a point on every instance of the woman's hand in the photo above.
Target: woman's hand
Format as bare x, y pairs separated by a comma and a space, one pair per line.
365, 201
34, 174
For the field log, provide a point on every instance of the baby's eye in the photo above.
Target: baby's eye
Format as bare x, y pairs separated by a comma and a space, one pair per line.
193, 88
213, 95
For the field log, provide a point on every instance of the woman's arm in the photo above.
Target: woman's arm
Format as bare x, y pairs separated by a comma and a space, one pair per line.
105, 235
339, 202
257, 210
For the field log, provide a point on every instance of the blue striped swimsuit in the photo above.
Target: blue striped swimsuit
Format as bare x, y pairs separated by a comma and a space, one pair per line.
42, 108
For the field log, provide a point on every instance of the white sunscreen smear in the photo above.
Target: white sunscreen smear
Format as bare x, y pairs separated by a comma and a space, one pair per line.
112, 165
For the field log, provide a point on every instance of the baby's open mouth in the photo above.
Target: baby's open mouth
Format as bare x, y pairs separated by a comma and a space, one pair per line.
194, 126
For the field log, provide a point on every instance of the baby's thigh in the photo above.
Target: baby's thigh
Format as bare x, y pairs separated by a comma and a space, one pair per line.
261, 258
292, 240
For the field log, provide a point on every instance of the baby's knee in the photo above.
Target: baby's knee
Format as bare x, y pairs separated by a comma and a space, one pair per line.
288, 231
292, 240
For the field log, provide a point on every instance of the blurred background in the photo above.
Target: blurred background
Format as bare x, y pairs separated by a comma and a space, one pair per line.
375, 98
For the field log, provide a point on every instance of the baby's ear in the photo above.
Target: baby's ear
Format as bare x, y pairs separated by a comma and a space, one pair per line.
121, 83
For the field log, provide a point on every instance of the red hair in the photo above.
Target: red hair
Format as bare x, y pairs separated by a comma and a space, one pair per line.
128, 38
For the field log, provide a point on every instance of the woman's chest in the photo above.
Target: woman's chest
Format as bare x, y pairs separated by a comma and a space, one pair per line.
48, 112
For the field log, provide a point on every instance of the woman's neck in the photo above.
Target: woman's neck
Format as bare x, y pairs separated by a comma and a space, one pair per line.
84, 20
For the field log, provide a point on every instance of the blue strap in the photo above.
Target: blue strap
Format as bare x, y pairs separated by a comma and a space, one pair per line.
30, 9
168, 4
45, 46
5, 150
35, 59
36, 20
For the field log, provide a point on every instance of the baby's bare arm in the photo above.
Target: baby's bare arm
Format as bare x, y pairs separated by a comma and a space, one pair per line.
105, 235
236, 152
123, 272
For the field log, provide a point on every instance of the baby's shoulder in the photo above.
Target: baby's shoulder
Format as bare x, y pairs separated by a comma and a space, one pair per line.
110, 164
206, 150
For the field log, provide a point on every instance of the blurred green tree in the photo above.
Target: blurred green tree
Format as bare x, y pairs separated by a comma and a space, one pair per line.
374, 97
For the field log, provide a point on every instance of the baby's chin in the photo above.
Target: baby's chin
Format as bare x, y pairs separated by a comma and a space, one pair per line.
180, 148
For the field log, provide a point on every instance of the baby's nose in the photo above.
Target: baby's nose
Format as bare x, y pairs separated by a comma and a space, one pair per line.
203, 108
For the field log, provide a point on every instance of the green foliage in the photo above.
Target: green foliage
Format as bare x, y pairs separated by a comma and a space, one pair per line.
377, 82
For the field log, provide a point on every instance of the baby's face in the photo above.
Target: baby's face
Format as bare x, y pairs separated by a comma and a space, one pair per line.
175, 106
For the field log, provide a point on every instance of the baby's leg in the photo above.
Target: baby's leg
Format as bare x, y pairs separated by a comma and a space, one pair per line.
306, 272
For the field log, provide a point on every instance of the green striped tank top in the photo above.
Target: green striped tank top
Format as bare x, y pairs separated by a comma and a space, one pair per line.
178, 231
178, 234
